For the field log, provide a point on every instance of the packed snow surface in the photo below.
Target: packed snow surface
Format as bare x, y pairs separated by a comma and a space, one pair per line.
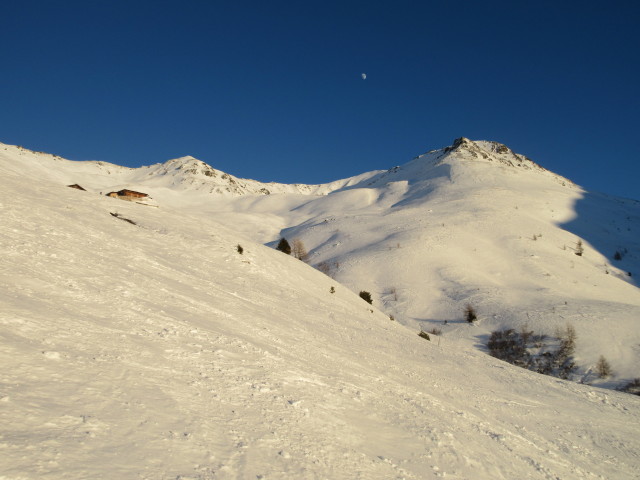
153, 349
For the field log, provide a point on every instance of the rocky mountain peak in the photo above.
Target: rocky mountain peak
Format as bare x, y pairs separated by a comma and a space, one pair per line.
466, 149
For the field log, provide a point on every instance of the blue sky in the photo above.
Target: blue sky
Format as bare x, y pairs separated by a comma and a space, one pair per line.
273, 90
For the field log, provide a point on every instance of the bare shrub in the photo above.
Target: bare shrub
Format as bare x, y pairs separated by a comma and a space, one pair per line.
325, 268
299, 251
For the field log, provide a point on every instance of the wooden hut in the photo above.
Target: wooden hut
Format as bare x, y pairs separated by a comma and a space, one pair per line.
126, 194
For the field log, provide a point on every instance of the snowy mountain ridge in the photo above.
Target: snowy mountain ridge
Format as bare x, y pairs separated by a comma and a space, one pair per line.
189, 173
185, 173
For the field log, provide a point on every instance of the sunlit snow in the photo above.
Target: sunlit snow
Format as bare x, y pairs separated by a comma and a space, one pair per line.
153, 349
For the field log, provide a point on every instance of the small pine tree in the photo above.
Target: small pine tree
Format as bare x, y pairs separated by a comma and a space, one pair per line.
603, 369
579, 248
284, 246
366, 296
470, 313
240, 249
332, 290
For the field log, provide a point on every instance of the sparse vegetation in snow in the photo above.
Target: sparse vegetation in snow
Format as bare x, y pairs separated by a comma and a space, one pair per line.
366, 296
537, 352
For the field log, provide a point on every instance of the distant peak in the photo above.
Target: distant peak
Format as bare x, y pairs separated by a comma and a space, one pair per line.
186, 162
460, 143
482, 148
464, 143
183, 160
189, 165
463, 148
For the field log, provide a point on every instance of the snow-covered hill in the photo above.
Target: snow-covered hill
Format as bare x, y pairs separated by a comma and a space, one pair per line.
155, 350
477, 224
473, 223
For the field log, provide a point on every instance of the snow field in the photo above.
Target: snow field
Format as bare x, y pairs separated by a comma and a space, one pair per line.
156, 351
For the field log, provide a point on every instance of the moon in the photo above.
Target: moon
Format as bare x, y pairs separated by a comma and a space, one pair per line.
364, 76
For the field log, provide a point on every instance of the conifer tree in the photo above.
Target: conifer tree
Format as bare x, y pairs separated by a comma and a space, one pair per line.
366, 296
603, 369
284, 246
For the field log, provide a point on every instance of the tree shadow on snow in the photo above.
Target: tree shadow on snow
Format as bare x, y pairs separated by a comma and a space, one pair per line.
428, 324
483, 340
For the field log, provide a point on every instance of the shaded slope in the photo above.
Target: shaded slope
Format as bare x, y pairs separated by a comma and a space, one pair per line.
610, 225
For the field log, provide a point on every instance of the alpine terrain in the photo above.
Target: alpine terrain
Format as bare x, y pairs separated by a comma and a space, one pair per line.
150, 330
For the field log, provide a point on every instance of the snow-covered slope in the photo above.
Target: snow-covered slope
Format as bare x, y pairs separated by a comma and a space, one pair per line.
473, 223
155, 350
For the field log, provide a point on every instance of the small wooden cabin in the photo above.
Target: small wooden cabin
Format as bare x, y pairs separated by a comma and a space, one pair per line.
75, 185
126, 194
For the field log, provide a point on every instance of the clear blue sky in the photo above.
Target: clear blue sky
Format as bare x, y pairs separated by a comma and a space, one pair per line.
272, 90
